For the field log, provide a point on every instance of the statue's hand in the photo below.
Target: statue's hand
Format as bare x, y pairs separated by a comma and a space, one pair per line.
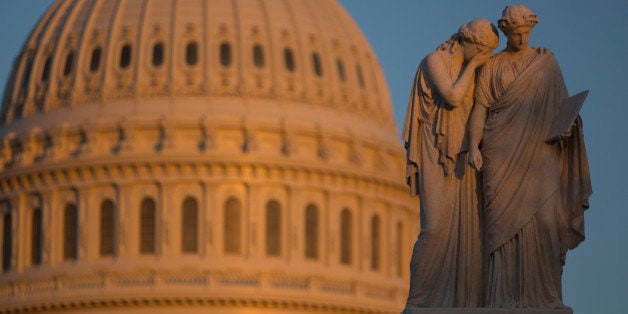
542, 50
475, 158
559, 139
481, 58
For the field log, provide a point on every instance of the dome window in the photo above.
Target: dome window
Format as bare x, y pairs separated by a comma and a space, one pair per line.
311, 232
69, 61
45, 74
232, 226
288, 57
94, 63
158, 54
398, 240
148, 224
7, 245
70, 232
375, 242
189, 225
258, 56
107, 228
316, 63
191, 53
346, 238
341, 70
358, 71
125, 56
225, 54
273, 228
36, 236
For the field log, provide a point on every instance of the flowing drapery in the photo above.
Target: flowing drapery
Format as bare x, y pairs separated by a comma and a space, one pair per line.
446, 266
535, 192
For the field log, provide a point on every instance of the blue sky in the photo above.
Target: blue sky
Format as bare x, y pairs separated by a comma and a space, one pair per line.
590, 41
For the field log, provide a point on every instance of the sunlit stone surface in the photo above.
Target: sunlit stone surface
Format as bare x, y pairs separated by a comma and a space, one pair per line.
211, 156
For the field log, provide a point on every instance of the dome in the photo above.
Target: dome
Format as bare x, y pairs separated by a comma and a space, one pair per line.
232, 156
91, 53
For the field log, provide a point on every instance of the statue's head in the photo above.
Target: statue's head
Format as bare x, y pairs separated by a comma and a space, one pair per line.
515, 16
478, 36
517, 22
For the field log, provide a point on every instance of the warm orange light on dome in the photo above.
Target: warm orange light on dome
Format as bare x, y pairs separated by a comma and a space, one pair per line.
194, 155
94, 52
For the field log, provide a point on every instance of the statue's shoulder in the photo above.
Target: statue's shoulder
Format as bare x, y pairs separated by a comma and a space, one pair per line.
435, 61
543, 51
493, 61
432, 58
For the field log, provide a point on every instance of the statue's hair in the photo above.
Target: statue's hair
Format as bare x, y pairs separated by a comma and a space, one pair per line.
515, 16
480, 31
450, 43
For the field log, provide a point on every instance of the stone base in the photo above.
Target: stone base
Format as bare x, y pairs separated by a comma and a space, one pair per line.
482, 311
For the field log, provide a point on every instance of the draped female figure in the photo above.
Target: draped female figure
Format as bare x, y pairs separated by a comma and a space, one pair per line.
534, 192
446, 265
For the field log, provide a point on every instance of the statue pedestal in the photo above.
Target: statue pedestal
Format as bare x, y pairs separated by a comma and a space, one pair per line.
482, 311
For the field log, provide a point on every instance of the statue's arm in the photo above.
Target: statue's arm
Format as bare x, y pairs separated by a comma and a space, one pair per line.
453, 93
476, 131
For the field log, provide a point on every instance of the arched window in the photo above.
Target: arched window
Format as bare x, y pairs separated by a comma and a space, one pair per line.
316, 64
346, 237
273, 228
69, 61
341, 70
107, 228
189, 225
375, 242
288, 57
7, 242
233, 226
191, 53
36, 236
125, 56
70, 232
147, 226
158, 54
358, 72
258, 56
225, 54
399, 241
45, 74
94, 63
311, 231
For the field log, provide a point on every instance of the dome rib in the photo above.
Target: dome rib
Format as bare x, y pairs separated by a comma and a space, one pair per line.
298, 48
270, 47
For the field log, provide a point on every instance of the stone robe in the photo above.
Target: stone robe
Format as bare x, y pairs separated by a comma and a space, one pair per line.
446, 265
535, 192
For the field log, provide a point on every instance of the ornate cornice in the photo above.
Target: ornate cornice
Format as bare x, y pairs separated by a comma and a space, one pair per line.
165, 149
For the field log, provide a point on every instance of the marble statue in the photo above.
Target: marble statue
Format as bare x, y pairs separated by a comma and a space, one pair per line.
534, 191
446, 266
495, 151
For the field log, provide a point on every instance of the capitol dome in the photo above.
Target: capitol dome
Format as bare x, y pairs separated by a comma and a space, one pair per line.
232, 156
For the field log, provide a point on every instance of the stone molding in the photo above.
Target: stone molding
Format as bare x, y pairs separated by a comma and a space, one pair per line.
111, 290
105, 151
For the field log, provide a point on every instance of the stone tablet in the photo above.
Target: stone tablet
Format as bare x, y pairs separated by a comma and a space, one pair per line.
566, 116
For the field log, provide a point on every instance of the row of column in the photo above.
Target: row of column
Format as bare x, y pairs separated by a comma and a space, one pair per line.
266, 223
